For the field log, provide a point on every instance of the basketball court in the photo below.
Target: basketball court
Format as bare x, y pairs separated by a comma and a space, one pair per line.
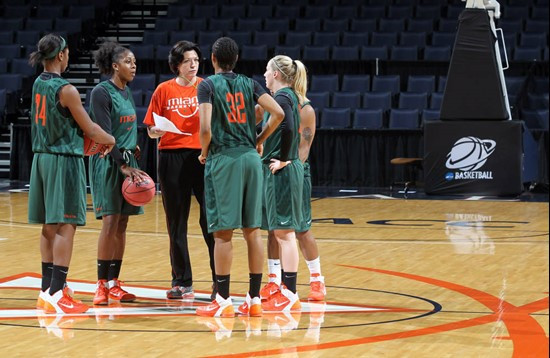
417, 277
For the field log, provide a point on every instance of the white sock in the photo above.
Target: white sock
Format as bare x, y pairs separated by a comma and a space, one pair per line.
274, 268
314, 266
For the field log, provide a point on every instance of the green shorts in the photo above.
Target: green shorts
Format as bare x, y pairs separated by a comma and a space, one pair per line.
233, 189
282, 204
106, 186
305, 225
57, 191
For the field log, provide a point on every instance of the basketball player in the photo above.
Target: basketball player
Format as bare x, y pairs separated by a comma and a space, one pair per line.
112, 107
233, 171
181, 175
284, 175
305, 237
57, 194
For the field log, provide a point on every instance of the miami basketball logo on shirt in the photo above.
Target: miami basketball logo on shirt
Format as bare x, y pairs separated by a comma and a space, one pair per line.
186, 107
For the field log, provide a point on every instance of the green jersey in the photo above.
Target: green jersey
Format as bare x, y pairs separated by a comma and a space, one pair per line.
123, 116
273, 144
53, 128
233, 122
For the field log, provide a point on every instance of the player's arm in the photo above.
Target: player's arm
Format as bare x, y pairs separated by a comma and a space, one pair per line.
307, 131
70, 98
205, 133
259, 111
269, 104
152, 130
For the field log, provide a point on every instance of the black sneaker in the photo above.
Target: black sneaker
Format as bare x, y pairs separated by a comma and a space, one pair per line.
179, 292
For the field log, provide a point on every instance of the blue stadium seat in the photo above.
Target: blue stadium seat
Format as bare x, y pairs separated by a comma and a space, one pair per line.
355, 38
335, 25
539, 11
208, 37
336, 118
11, 11
298, 38
317, 12
534, 118
413, 100
260, 11
254, 52
527, 54
326, 38
430, 115
404, 53
240, 37
302, 24
138, 97
441, 82
533, 39
368, 119
421, 83
515, 12
3, 96
532, 25
12, 82
179, 10
403, 119
71, 26
423, 11
372, 12
386, 83
319, 100
420, 25
391, 25
3, 65
193, 24
206, 11
155, 37
437, 53
345, 53
22, 67
221, 24
83, 12
408, 38
374, 52
435, 100
363, 25
447, 25
27, 37
143, 51
539, 85
244, 24
163, 77
281, 25
514, 84
321, 83
383, 39
6, 37
176, 36
261, 80
511, 25
344, 12
268, 38
454, 10
49, 11
42, 25
232, 11
167, 24
356, 83
315, 53
377, 100
537, 101
290, 11
143, 82
400, 12
293, 52
140, 114
351, 100
13, 24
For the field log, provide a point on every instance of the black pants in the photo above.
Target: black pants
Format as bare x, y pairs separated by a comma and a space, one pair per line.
180, 175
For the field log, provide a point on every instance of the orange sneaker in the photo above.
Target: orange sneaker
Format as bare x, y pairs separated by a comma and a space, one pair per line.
118, 294
283, 300
317, 288
42, 299
101, 296
62, 302
251, 307
220, 307
270, 288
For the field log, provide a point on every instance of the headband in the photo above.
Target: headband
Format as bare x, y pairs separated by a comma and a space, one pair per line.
61, 47
280, 70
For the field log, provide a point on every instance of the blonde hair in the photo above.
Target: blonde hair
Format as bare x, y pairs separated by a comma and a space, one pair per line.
292, 72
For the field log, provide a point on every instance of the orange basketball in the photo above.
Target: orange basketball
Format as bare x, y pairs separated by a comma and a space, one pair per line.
138, 194
91, 147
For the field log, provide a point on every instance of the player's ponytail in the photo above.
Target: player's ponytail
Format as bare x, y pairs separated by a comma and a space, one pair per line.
47, 48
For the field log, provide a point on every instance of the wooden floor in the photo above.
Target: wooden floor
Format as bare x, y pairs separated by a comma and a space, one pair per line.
405, 278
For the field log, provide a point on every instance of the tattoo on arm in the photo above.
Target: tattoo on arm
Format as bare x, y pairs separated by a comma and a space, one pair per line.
307, 134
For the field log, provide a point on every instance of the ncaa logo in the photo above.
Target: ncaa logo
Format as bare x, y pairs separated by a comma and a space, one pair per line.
449, 176
470, 153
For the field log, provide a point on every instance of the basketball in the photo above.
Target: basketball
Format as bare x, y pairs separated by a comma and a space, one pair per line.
91, 147
138, 194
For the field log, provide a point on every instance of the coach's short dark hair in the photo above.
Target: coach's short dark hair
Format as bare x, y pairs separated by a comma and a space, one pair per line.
176, 54
226, 51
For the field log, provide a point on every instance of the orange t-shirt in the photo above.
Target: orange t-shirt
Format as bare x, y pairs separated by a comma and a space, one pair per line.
180, 105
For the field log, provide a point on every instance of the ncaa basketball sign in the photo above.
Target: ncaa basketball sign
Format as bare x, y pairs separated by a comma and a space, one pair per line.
472, 157
467, 155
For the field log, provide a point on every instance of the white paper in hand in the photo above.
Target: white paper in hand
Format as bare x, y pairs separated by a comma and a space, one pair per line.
166, 125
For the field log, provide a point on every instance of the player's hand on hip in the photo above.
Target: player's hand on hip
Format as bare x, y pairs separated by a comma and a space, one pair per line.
202, 159
276, 165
